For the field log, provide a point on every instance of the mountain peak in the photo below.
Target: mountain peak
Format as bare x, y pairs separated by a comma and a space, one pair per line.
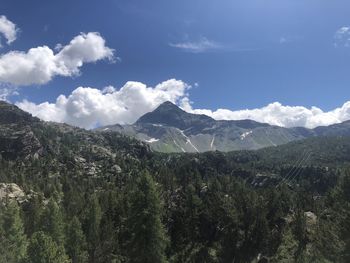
10, 113
170, 114
168, 106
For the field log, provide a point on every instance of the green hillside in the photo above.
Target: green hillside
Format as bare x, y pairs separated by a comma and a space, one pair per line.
71, 195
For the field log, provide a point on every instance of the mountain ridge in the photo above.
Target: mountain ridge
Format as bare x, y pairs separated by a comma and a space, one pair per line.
170, 129
43, 161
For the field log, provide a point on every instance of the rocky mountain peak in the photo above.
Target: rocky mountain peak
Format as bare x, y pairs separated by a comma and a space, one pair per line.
169, 114
10, 113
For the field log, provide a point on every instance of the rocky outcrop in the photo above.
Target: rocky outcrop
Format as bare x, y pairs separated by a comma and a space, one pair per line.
18, 141
170, 129
11, 191
12, 114
311, 222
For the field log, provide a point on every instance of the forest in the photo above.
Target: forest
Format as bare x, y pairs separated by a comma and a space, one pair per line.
162, 131
104, 197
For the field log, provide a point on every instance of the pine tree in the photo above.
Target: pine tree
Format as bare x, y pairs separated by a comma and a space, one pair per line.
33, 211
76, 242
300, 234
109, 245
52, 222
345, 189
13, 242
287, 249
110, 228
43, 249
147, 242
92, 226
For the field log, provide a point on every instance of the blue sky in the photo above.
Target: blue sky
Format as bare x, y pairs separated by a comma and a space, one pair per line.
236, 54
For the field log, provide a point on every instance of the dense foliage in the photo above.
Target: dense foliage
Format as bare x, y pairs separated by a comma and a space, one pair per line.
102, 197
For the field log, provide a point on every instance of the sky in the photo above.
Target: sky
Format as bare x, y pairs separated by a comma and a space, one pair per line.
91, 63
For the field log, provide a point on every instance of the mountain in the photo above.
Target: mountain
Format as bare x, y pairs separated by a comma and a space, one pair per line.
166, 129
26, 138
16, 134
171, 115
23, 136
170, 129
340, 129
111, 179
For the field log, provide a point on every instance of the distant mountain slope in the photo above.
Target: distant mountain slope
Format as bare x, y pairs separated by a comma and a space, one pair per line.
23, 137
27, 140
42, 161
170, 115
166, 129
319, 151
340, 129
170, 129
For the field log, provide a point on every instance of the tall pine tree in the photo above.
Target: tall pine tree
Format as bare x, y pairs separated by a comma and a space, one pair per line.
52, 222
148, 241
92, 227
43, 249
13, 242
76, 242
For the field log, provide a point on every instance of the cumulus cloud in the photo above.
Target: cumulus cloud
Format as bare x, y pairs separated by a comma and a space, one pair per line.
8, 29
200, 46
90, 107
6, 92
280, 115
39, 65
342, 37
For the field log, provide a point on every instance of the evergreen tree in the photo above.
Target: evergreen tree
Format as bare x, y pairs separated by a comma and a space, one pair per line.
300, 233
92, 226
52, 222
260, 235
43, 249
76, 242
287, 249
345, 225
13, 242
147, 242
33, 211
110, 228
109, 245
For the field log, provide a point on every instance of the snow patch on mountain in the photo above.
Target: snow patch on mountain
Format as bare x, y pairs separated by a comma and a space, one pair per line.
152, 140
245, 134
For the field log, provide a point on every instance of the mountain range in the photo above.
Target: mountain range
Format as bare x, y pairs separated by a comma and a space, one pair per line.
166, 129
170, 129
206, 197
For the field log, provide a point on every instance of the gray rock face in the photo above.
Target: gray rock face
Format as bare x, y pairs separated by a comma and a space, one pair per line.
12, 114
166, 129
116, 169
10, 192
170, 129
169, 114
17, 140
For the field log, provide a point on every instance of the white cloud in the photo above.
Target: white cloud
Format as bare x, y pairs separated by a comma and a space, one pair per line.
200, 46
8, 29
89, 107
342, 37
280, 115
6, 92
39, 65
